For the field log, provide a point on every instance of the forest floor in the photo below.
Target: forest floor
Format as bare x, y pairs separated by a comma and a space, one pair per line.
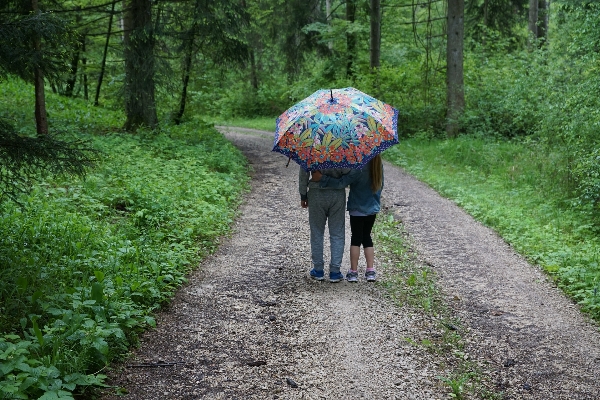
250, 324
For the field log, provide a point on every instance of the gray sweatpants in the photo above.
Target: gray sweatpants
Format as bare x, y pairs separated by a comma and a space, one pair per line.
327, 205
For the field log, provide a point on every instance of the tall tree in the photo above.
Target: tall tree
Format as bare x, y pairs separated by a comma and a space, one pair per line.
140, 65
41, 118
72, 78
34, 47
455, 96
328, 19
350, 37
104, 53
543, 18
533, 19
375, 33
538, 22
215, 31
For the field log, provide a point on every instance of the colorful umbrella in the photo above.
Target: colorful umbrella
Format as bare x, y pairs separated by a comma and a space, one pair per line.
336, 128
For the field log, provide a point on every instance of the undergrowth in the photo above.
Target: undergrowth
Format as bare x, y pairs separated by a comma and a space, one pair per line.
86, 262
522, 190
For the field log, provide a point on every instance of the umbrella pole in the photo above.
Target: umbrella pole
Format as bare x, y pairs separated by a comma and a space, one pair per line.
288, 163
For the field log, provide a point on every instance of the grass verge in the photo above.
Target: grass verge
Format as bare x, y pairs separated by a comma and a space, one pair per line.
263, 124
411, 283
519, 189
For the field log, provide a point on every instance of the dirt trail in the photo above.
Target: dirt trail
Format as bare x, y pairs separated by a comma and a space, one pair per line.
251, 325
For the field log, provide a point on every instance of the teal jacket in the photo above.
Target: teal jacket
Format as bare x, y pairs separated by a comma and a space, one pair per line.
361, 197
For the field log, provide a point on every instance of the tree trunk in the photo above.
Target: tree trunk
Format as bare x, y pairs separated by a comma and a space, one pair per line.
74, 64
350, 37
543, 10
104, 54
533, 19
189, 53
455, 100
375, 33
72, 80
253, 70
84, 72
140, 104
486, 12
41, 117
328, 17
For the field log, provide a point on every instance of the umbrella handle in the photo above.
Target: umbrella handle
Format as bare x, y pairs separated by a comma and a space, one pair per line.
288, 163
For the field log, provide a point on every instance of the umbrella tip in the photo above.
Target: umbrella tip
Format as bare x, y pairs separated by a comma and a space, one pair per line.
331, 92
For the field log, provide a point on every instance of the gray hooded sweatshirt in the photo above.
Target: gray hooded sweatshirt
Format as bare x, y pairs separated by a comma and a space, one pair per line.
304, 183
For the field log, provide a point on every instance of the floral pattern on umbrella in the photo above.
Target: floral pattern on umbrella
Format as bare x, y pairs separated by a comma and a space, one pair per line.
339, 128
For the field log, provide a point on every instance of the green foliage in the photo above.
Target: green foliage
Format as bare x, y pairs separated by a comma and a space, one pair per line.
263, 124
23, 375
19, 29
457, 385
84, 263
515, 188
504, 94
502, 16
25, 159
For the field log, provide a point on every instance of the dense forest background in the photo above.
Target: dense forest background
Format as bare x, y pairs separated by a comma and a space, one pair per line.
498, 109
529, 68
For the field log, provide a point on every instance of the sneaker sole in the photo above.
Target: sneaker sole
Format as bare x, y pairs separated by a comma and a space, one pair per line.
318, 278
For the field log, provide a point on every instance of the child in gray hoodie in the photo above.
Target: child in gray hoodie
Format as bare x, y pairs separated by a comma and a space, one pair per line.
325, 205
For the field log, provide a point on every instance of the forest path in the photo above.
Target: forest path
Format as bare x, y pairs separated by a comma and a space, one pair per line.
250, 324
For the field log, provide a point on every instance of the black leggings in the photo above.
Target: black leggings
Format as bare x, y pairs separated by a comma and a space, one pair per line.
361, 230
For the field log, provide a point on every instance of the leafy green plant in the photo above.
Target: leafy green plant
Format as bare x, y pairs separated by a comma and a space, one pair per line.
86, 262
520, 189
457, 385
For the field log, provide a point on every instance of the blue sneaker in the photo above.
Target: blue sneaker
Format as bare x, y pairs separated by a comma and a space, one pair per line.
352, 276
371, 276
335, 277
317, 275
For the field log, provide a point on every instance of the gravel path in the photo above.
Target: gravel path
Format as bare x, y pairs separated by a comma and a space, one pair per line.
251, 325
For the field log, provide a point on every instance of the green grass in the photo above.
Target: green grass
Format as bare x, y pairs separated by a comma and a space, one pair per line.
521, 190
263, 124
86, 262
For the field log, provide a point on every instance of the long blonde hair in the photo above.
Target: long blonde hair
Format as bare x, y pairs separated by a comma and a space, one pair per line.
376, 173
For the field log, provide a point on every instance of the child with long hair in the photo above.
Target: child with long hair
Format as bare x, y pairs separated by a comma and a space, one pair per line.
364, 202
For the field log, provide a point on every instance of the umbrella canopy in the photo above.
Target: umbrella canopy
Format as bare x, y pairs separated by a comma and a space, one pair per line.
336, 128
